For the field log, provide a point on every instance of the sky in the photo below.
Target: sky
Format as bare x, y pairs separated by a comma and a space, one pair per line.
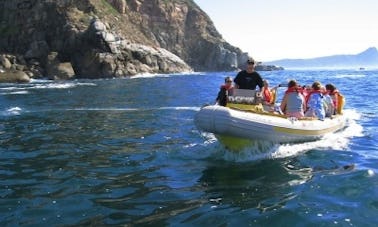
277, 29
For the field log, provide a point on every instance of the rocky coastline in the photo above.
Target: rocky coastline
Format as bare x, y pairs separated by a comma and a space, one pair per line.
66, 39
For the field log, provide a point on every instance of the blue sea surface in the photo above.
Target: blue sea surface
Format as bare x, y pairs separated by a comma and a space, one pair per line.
126, 152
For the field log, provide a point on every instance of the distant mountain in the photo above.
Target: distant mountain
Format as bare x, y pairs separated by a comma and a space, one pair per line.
367, 58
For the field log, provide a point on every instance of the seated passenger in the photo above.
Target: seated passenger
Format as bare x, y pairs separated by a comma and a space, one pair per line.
267, 93
293, 103
315, 102
225, 90
334, 93
329, 107
306, 90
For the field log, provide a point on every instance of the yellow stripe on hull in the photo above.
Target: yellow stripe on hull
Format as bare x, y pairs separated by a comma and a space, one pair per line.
305, 132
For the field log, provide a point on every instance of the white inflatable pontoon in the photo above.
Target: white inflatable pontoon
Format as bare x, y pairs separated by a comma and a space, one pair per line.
237, 125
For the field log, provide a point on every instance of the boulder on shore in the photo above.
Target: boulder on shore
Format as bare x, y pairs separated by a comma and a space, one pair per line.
57, 70
13, 76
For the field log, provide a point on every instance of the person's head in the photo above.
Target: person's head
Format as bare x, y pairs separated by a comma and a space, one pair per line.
250, 65
266, 83
316, 85
330, 87
292, 83
228, 80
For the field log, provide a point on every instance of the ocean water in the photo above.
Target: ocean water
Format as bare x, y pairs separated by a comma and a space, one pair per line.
126, 152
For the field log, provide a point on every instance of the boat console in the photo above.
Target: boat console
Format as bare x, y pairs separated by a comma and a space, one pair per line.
245, 96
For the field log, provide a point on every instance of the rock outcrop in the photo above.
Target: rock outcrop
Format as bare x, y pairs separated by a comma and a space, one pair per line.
261, 67
13, 76
57, 70
65, 39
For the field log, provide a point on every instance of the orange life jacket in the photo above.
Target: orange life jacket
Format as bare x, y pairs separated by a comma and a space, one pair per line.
226, 86
268, 95
338, 100
294, 89
335, 97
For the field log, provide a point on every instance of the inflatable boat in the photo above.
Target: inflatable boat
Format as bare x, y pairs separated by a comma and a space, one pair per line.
239, 124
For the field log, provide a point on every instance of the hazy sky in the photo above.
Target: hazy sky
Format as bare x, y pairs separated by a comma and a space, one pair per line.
276, 29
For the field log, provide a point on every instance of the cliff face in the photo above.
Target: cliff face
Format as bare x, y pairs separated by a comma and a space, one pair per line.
184, 29
66, 39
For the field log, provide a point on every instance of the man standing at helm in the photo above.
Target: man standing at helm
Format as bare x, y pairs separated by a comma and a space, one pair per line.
249, 78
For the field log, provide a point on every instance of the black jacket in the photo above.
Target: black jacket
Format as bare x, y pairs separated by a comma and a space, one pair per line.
247, 80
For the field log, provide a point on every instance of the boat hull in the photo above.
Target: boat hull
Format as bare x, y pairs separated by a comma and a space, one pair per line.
246, 125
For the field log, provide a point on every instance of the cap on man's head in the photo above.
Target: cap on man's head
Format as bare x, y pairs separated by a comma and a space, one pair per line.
228, 79
250, 61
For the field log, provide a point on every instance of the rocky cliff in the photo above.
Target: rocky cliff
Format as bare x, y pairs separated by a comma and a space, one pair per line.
63, 39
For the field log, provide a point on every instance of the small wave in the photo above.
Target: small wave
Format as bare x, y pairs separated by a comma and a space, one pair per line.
46, 84
104, 109
7, 88
42, 81
19, 92
350, 76
60, 85
39, 81
150, 75
86, 84
14, 93
158, 75
13, 111
194, 108
52, 86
